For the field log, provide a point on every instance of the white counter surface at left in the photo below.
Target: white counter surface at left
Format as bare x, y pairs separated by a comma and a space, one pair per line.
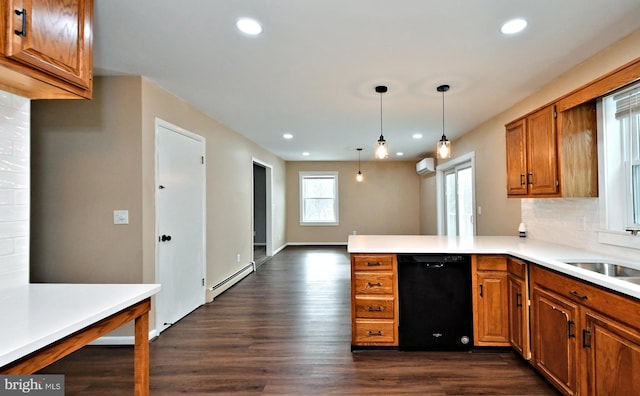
39, 314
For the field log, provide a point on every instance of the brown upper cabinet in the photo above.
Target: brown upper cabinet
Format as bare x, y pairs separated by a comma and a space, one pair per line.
532, 159
552, 152
47, 48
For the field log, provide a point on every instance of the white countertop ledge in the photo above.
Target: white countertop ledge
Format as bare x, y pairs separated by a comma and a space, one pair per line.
38, 314
545, 254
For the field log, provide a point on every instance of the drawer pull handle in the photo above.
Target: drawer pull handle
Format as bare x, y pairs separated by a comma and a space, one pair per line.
580, 296
374, 264
374, 284
374, 309
375, 333
522, 179
518, 299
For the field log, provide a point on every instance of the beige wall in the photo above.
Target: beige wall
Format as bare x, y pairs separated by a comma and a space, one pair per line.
91, 157
501, 215
386, 202
86, 163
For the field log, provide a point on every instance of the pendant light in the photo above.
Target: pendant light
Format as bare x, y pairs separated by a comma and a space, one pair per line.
443, 149
382, 150
359, 175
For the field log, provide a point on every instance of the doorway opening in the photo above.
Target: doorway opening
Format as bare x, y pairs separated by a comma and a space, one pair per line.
262, 245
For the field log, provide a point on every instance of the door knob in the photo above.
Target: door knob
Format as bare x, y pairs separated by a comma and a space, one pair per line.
165, 238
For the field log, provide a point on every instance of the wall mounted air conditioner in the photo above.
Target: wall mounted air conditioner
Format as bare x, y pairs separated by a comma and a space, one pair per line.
426, 165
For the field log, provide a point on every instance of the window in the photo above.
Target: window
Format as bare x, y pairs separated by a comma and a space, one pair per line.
620, 121
318, 198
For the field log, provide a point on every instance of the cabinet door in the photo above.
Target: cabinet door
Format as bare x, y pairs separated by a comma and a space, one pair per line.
553, 327
542, 157
54, 36
491, 327
518, 317
613, 356
516, 159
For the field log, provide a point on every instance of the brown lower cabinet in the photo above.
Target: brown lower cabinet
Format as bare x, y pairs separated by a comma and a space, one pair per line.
490, 315
374, 301
518, 306
584, 339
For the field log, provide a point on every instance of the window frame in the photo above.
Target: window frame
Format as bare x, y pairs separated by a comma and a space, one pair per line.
616, 217
302, 198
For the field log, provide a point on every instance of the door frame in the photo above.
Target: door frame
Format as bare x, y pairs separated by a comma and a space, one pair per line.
167, 125
440, 203
268, 193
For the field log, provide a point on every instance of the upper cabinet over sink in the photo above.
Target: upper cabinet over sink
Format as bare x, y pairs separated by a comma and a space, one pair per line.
46, 48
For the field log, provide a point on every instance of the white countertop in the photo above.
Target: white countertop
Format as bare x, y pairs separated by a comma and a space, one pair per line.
38, 314
546, 254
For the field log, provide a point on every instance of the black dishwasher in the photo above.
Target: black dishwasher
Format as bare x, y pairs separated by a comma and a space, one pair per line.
434, 297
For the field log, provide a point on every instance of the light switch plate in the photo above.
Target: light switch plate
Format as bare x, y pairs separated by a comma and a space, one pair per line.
120, 217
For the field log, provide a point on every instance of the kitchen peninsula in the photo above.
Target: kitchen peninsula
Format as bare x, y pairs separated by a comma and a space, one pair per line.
577, 327
47, 321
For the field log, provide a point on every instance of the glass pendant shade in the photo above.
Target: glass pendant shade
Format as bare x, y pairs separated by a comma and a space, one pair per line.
382, 151
444, 148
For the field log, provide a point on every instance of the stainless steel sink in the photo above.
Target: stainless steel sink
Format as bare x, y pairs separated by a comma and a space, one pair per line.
609, 269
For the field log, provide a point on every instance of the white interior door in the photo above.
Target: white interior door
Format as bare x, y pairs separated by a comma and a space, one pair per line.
180, 203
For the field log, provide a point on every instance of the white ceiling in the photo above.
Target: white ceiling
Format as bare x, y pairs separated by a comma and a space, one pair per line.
313, 70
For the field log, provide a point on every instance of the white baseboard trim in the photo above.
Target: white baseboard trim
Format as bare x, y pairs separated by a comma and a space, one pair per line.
317, 243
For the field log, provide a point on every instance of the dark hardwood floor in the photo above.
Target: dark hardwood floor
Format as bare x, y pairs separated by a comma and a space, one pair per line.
286, 330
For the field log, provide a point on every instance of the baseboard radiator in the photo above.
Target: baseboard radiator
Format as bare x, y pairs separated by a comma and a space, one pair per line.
222, 286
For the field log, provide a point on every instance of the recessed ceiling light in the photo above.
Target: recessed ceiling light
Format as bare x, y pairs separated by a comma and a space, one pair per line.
513, 26
287, 136
249, 26
399, 153
306, 153
417, 136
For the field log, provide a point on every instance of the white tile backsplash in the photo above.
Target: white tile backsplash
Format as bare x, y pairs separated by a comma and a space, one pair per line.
569, 221
14, 189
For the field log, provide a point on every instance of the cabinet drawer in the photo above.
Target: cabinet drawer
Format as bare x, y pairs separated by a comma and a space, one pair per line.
374, 307
374, 283
371, 331
517, 267
373, 262
491, 262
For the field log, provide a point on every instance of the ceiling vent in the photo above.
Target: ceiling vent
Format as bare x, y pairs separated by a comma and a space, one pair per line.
426, 165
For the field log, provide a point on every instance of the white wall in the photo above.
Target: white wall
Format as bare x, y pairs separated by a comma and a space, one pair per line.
14, 190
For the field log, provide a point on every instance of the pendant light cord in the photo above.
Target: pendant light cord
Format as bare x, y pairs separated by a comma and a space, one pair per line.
381, 136
443, 135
